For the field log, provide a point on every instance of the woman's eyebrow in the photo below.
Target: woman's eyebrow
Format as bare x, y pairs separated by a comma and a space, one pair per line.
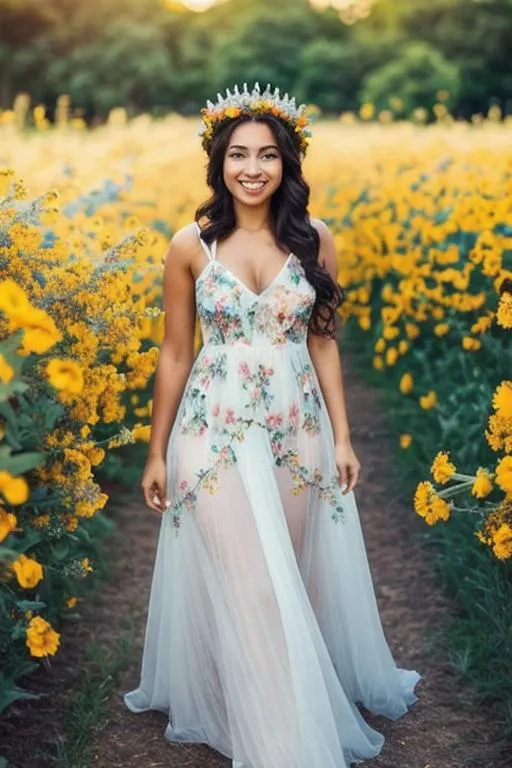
241, 146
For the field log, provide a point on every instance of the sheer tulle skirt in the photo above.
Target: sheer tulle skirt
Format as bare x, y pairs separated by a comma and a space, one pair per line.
263, 630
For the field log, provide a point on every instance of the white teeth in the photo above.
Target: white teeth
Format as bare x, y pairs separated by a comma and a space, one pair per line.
252, 184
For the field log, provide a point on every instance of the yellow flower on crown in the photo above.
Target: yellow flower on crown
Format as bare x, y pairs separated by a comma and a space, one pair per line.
255, 103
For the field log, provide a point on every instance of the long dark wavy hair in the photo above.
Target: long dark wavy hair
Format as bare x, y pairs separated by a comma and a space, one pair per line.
290, 221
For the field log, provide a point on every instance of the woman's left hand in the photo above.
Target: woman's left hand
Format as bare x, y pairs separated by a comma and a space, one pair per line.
348, 465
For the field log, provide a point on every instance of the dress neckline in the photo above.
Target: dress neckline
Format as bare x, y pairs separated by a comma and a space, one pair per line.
243, 285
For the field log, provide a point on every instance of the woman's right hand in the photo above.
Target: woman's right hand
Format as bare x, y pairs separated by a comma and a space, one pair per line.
154, 483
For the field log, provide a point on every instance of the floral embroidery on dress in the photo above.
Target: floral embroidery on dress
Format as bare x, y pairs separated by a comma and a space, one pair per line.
229, 427
232, 315
195, 417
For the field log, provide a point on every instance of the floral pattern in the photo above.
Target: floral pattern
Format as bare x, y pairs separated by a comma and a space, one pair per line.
230, 312
233, 317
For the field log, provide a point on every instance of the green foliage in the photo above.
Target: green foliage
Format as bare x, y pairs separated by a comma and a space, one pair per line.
479, 640
416, 74
87, 709
149, 56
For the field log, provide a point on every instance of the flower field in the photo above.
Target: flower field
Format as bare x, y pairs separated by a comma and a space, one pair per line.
422, 218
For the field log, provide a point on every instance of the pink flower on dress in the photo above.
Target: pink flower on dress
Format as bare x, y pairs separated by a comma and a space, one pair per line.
230, 416
183, 485
293, 412
277, 448
268, 371
243, 369
256, 393
216, 409
273, 420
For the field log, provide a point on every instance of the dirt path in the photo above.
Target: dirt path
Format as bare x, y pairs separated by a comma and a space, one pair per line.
442, 730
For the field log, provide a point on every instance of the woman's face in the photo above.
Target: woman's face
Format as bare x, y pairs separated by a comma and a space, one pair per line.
253, 166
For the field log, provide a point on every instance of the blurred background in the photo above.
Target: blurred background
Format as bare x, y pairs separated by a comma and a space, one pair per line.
410, 165
165, 55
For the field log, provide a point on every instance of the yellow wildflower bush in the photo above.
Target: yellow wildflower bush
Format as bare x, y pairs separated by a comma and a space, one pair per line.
73, 302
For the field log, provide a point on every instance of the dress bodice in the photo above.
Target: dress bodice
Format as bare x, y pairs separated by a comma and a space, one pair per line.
231, 313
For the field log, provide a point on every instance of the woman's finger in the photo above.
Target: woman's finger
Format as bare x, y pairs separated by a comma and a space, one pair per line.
353, 470
151, 497
343, 475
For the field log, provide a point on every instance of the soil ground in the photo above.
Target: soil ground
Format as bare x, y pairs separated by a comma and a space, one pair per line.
443, 730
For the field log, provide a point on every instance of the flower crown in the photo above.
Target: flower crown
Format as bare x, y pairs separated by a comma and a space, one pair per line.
255, 103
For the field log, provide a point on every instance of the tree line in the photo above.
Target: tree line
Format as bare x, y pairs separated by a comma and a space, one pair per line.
156, 56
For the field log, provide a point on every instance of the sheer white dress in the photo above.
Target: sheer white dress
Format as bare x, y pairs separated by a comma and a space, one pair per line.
263, 631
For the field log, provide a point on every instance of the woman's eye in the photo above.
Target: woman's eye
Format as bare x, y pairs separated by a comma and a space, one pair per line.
240, 154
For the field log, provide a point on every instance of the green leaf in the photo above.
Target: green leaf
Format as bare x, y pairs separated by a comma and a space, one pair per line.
30, 605
9, 695
61, 550
17, 464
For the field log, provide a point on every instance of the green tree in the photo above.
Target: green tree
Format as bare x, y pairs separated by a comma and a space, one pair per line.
129, 65
331, 75
415, 75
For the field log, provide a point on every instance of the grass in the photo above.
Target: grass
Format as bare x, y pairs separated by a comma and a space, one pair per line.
85, 709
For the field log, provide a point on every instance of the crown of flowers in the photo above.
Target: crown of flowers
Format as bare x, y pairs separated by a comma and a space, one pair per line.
255, 103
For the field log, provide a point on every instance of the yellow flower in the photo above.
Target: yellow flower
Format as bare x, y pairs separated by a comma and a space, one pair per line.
406, 384
14, 301
71, 602
502, 542
86, 565
41, 333
378, 363
65, 375
28, 571
504, 474
367, 111
232, 111
405, 440
412, 330
483, 483
380, 346
6, 370
14, 489
430, 506
502, 399
42, 639
481, 325
504, 313
142, 432
440, 511
403, 346
390, 332
442, 468
41, 521
7, 523
470, 344
422, 497
441, 329
429, 400
391, 355
96, 455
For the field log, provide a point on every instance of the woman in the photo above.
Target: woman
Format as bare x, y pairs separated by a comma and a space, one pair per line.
263, 632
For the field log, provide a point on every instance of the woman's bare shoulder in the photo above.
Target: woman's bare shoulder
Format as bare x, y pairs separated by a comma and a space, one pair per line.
184, 244
320, 226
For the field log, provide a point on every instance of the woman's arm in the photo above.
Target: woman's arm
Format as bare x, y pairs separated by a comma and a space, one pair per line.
326, 358
175, 360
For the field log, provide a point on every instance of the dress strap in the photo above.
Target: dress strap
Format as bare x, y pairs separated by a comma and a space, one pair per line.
210, 253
